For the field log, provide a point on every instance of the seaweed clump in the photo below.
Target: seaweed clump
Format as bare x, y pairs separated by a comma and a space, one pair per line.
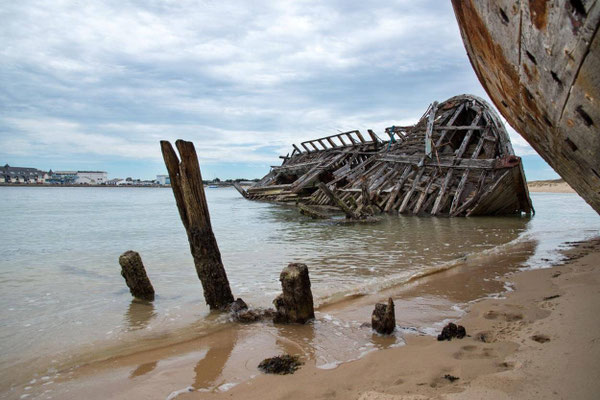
281, 365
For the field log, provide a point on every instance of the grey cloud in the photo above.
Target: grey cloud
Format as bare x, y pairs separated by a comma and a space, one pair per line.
113, 77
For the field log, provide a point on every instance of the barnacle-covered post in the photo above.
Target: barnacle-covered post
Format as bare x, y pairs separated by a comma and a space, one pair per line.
186, 182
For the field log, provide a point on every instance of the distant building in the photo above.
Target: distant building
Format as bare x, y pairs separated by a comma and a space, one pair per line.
10, 174
163, 179
62, 177
91, 177
114, 182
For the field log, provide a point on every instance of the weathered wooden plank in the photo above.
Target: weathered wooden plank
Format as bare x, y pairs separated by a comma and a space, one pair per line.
312, 143
360, 137
374, 137
307, 149
458, 127
188, 189
429, 129
240, 189
463, 146
338, 202
444, 162
459, 190
408, 194
331, 142
311, 212
423, 195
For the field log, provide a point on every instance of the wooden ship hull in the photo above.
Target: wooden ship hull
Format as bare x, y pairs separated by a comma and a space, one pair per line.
456, 161
539, 61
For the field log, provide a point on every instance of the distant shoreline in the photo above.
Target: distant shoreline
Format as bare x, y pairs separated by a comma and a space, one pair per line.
550, 186
80, 186
100, 186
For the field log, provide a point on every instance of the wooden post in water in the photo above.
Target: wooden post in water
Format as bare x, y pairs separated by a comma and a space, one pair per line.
132, 269
186, 182
295, 303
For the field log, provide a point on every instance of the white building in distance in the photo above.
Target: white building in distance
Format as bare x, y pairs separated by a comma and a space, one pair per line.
163, 179
91, 177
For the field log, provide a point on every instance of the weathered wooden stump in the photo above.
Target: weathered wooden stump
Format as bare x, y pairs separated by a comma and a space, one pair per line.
295, 304
186, 182
383, 319
132, 269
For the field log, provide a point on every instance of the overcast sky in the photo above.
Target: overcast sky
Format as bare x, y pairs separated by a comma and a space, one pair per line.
97, 84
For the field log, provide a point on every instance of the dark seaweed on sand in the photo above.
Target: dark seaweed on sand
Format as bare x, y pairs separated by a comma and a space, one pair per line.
282, 365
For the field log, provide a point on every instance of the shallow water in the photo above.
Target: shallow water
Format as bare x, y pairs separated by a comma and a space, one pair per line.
62, 293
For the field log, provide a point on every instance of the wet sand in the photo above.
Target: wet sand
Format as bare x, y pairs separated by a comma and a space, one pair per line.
345, 360
529, 345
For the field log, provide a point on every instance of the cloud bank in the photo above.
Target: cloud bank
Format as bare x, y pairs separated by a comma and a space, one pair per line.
243, 80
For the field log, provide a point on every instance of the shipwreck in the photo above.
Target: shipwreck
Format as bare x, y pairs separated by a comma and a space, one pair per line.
456, 161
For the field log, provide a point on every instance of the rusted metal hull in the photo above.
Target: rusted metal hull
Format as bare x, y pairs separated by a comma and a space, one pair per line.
539, 61
456, 161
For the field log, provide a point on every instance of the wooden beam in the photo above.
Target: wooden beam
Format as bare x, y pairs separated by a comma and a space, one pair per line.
360, 136
312, 143
186, 182
411, 191
458, 127
429, 129
240, 189
311, 212
374, 137
337, 201
467, 138
439, 201
423, 195
458, 193
444, 162
452, 119
397, 188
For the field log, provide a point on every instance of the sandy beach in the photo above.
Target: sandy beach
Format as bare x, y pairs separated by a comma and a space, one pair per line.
550, 186
539, 342
539, 339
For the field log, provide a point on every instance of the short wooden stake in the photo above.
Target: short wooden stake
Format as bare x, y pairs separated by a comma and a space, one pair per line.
132, 269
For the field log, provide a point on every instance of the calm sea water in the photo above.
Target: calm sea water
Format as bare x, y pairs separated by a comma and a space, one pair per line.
61, 288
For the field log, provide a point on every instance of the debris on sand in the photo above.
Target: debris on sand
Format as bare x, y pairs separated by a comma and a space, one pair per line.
451, 331
281, 365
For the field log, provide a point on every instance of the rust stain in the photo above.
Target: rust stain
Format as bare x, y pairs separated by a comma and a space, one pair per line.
527, 71
538, 13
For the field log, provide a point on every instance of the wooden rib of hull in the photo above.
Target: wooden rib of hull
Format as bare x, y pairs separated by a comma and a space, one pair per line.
472, 169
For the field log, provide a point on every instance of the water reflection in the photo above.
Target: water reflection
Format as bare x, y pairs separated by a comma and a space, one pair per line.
210, 367
143, 369
139, 314
296, 339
